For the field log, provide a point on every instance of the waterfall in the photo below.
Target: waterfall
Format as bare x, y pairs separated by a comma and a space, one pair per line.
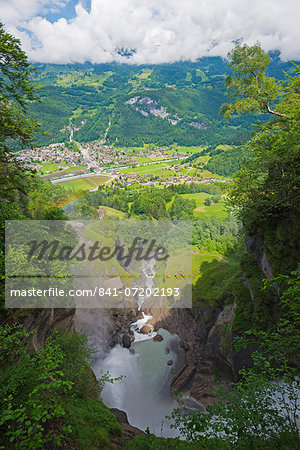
147, 368
144, 393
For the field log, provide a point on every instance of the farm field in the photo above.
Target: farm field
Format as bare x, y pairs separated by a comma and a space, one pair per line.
201, 211
143, 159
199, 197
216, 210
187, 264
53, 168
88, 183
156, 169
113, 212
82, 78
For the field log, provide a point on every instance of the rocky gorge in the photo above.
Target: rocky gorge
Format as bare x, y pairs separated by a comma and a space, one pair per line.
196, 342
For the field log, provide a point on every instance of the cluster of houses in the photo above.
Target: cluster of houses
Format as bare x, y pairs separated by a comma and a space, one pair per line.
188, 180
106, 155
143, 179
102, 155
148, 179
53, 153
158, 152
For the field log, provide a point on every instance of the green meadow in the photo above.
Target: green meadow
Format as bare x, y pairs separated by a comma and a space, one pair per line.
88, 183
82, 78
113, 212
155, 169
202, 211
53, 167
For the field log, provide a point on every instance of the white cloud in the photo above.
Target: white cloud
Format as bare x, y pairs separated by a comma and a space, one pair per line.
158, 30
14, 11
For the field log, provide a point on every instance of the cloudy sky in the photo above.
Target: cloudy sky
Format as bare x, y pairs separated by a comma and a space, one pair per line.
152, 31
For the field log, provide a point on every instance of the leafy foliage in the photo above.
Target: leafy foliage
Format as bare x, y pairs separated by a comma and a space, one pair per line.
182, 208
263, 407
227, 162
15, 89
264, 193
37, 389
253, 89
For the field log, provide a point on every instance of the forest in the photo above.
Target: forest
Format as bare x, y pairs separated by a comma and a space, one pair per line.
95, 94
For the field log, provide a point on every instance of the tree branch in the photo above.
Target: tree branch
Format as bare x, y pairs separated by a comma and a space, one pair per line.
275, 113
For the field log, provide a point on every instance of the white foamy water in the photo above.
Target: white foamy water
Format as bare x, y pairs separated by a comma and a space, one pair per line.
138, 325
144, 394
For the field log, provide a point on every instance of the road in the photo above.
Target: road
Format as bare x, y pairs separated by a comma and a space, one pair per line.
85, 154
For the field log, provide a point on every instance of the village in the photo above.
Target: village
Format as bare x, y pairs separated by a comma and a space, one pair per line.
59, 154
149, 179
102, 155
109, 155
64, 161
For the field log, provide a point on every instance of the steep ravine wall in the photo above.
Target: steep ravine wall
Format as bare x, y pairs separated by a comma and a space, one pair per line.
42, 322
201, 334
207, 332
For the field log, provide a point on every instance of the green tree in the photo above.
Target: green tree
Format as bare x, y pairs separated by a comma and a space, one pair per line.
45, 395
182, 208
250, 86
265, 192
16, 89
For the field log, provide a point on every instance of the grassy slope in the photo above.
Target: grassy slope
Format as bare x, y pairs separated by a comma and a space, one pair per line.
113, 212
53, 168
87, 183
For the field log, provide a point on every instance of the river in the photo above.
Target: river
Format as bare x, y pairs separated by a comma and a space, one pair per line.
144, 393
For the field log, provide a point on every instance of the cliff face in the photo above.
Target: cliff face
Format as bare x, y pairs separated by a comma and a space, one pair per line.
254, 246
206, 331
43, 322
202, 334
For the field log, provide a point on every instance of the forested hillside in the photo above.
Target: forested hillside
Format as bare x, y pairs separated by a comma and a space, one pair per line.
137, 104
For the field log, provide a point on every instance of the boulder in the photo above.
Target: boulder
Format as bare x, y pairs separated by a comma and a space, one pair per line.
126, 341
167, 351
170, 362
145, 329
158, 338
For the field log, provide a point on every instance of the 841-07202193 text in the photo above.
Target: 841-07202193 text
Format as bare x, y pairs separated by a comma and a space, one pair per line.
155, 292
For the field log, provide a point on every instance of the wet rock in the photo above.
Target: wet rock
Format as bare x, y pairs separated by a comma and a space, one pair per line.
139, 315
145, 329
184, 345
167, 351
170, 362
126, 341
129, 430
42, 322
158, 338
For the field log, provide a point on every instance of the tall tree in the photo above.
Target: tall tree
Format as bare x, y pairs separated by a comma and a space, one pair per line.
16, 89
265, 192
249, 86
